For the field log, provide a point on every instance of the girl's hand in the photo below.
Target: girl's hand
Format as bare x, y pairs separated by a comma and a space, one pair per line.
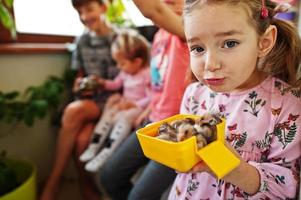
137, 123
139, 120
99, 80
125, 105
200, 167
113, 100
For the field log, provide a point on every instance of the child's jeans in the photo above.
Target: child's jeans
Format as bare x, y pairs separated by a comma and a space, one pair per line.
116, 174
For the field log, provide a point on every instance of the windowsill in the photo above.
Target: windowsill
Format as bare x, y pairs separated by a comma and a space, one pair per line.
28, 48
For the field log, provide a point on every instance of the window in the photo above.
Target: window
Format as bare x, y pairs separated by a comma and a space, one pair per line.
58, 17
135, 15
54, 17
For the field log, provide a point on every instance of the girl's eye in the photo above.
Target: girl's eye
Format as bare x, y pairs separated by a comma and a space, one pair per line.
197, 49
230, 44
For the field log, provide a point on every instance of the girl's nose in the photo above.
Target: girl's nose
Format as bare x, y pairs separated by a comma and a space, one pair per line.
211, 62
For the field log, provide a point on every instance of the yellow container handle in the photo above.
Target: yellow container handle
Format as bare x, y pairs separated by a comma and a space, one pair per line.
218, 158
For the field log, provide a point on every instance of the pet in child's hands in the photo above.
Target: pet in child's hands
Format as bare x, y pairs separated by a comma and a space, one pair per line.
167, 132
86, 87
204, 128
88, 84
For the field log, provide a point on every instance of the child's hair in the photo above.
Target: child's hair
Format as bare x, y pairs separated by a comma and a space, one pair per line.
79, 3
132, 45
284, 59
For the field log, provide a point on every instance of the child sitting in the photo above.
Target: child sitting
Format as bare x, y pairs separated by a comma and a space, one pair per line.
91, 57
131, 52
248, 69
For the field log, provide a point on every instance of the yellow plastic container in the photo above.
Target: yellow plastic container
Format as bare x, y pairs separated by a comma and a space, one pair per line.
26, 173
182, 156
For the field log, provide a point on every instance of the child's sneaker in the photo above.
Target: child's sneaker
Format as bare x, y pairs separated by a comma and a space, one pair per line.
89, 153
98, 161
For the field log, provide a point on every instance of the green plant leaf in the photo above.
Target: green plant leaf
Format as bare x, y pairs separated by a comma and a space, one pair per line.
34, 103
7, 20
9, 3
5, 16
40, 108
28, 119
116, 14
12, 95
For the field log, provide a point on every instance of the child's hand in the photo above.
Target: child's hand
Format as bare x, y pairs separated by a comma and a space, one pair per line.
139, 120
76, 84
100, 81
200, 167
113, 99
125, 105
141, 117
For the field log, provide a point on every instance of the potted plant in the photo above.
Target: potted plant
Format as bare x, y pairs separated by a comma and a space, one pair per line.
17, 179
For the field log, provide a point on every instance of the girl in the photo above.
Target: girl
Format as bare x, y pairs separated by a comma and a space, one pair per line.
247, 63
131, 52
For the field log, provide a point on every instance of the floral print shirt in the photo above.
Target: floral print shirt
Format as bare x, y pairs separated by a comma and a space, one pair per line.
264, 125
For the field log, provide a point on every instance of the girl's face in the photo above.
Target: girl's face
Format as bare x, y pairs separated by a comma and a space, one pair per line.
90, 13
125, 64
223, 47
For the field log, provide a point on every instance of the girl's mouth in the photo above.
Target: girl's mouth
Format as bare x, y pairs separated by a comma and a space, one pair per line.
215, 81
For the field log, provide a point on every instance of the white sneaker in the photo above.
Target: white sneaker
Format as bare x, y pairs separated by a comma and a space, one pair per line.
98, 161
89, 153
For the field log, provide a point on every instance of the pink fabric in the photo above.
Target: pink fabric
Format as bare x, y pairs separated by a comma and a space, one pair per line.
264, 125
169, 63
136, 88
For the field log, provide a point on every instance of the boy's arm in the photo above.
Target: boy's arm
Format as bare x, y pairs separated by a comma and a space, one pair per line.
162, 16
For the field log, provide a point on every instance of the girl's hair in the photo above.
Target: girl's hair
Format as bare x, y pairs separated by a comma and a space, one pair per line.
283, 61
132, 45
79, 3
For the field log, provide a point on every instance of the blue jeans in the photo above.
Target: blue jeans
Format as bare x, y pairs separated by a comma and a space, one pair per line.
116, 174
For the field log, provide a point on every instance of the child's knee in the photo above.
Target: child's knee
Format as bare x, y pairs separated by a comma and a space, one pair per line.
71, 112
81, 144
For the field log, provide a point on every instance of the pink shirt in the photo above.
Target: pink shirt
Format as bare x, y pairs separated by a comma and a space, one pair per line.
264, 125
169, 63
135, 87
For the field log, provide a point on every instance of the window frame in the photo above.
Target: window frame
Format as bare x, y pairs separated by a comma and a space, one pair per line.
31, 38
46, 43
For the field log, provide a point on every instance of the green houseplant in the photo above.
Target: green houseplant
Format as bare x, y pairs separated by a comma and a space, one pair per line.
18, 177
6, 18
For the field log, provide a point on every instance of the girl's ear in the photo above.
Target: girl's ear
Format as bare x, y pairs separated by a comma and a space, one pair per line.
267, 41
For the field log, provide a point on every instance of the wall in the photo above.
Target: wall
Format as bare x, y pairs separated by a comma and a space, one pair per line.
17, 72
